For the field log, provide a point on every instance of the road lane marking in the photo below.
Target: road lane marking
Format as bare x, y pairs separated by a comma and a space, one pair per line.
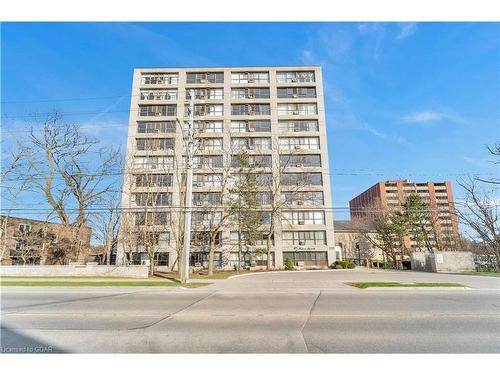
257, 314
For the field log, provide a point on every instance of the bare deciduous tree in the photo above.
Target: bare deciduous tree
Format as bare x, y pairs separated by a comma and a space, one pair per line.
384, 230
480, 213
105, 224
284, 192
495, 151
69, 169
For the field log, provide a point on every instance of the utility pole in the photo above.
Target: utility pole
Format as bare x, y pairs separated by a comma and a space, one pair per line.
189, 189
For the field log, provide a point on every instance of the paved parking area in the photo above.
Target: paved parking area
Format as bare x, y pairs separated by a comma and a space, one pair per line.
292, 312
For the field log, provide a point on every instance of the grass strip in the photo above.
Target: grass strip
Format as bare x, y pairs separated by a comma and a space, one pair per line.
383, 284
64, 277
485, 273
99, 284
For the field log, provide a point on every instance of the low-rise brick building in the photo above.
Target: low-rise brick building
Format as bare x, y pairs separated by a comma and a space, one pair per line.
351, 242
29, 241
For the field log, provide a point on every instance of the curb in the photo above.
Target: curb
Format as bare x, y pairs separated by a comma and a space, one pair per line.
281, 272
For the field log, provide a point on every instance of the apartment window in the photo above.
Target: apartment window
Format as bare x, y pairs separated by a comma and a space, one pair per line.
210, 144
144, 180
250, 109
261, 239
299, 198
264, 197
249, 259
136, 258
209, 179
305, 109
260, 179
304, 143
303, 217
265, 217
298, 126
251, 143
250, 93
252, 161
299, 161
153, 199
157, 110
250, 77
154, 238
207, 198
202, 238
161, 258
206, 94
296, 92
160, 78
250, 126
292, 77
153, 162
152, 218
24, 228
208, 126
156, 127
301, 179
206, 110
212, 161
155, 144
206, 77
305, 238
151, 95
307, 258
200, 259
206, 218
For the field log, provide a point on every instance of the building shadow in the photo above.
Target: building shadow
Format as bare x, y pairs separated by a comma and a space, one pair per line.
13, 342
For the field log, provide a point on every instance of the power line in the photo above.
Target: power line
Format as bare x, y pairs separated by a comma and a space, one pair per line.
67, 99
212, 209
170, 171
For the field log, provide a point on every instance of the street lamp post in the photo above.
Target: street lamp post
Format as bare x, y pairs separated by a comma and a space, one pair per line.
359, 254
189, 190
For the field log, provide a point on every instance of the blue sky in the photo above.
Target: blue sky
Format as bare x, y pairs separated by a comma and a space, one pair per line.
403, 100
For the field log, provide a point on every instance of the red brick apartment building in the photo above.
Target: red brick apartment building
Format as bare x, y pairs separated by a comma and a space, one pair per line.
26, 241
389, 195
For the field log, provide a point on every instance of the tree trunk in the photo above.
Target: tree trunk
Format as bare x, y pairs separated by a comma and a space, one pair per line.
268, 244
211, 253
239, 250
180, 263
151, 266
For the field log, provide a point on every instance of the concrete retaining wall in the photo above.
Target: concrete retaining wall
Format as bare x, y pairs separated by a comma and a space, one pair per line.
443, 261
76, 270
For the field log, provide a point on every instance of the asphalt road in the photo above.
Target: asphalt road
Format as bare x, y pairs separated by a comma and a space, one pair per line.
296, 312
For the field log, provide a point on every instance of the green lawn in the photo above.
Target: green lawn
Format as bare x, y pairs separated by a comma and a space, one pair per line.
65, 277
481, 273
383, 284
100, 283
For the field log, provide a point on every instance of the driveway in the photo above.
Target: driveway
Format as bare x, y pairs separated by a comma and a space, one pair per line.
337, 279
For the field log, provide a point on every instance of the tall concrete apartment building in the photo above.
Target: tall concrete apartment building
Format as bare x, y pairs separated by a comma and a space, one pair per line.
389, 195
275, 114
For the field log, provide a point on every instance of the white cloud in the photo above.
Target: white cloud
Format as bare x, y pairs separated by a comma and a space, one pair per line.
428, 116
370, 27
307, 56
406, 29
351, 122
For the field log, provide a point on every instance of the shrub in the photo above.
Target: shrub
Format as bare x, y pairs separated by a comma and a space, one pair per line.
289, 264
389, 265
342, 264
